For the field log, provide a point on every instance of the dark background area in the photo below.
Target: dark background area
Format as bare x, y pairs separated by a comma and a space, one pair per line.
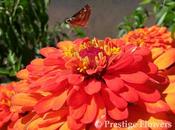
106, 14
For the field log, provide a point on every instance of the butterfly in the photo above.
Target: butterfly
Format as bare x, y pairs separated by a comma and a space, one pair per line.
81, 17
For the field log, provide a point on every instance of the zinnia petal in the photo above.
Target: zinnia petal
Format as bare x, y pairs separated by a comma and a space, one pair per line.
130, 95
93, 87
114, 83
24, 99
76, 98
138, 77
74, 124
170, 101
118, 114
77, 113
51, 102
88, 117
166, 59
47, 50
159, 106
116, 100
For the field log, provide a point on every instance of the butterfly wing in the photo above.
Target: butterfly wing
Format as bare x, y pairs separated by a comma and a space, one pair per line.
81, 17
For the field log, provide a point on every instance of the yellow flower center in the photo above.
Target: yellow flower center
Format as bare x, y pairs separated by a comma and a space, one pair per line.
95, 54
90, 55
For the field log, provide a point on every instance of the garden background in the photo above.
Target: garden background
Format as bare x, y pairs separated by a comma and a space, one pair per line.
26, 26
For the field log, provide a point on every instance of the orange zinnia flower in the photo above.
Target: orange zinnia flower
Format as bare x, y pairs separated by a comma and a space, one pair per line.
6, 113
95, 79
159, 40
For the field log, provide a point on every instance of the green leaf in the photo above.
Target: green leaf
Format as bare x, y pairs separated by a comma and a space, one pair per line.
171, 3
122, 32
79, 32
4, 71
161, 19
11, 57
161, 16
172, 27
47, 2
145, 2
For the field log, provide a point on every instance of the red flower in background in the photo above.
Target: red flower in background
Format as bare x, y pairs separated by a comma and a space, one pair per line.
95, 79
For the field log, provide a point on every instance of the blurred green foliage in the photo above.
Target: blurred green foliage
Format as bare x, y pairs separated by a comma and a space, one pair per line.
24, 30
160, 12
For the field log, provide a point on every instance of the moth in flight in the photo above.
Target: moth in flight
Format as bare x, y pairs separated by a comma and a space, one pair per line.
81, 17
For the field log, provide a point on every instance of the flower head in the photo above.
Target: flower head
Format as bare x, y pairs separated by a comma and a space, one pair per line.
153, 36
103, 77
159, 40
